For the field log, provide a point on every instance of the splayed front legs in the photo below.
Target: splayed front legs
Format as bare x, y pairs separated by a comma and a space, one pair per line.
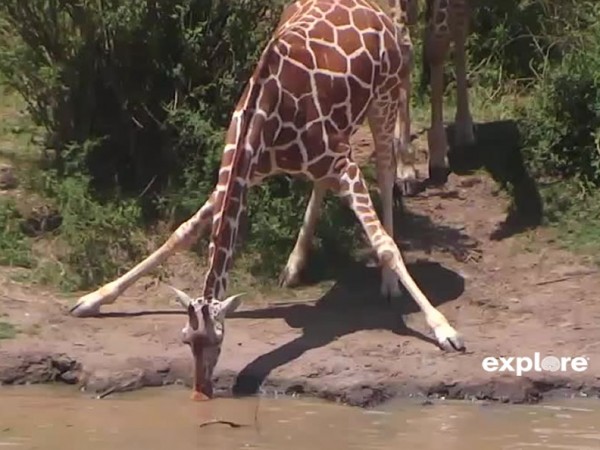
185, 235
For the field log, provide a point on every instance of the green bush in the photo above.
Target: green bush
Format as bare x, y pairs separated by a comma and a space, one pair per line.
99, 240
561, 125
15, 250
277, 211
513, 41
135, 97
152, 83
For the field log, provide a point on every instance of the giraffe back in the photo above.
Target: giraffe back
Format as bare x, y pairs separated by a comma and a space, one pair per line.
329, 60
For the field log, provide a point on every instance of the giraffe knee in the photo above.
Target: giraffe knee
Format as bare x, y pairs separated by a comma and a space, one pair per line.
386, 257
183, 237
387, 252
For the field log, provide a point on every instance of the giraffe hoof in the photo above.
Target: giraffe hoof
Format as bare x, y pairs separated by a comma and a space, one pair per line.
438, 176
409, 187
199, 396
89, 305
390, 293
448, 339
82, 309
289, 278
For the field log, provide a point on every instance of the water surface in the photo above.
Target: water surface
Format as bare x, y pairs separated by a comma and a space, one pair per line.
59, 418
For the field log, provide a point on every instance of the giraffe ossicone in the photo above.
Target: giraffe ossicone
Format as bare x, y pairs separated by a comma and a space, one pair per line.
330, 65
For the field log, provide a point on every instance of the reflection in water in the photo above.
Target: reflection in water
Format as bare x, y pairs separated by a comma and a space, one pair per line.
44, 418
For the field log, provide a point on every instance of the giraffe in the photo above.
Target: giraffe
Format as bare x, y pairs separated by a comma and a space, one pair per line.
330, 65
447, 22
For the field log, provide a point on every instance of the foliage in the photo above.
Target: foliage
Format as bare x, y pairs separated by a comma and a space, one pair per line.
515, 40
272, 236
7, 330
150, 83
99, 239
15, 250
135, 97
561, 125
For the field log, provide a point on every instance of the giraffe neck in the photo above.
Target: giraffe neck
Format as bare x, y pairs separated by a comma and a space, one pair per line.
243, 147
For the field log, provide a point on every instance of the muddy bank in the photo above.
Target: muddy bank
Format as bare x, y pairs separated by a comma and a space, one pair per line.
46, 367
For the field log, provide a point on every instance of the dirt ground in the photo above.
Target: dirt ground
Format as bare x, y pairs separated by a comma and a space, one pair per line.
509, 292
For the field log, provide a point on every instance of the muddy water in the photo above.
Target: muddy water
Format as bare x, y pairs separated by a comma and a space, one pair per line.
44, 418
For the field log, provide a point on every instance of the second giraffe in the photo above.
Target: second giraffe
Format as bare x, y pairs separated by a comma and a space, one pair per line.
446, 22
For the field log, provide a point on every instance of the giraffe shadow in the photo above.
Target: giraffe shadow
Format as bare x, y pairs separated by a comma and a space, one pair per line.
498, 150
352, 304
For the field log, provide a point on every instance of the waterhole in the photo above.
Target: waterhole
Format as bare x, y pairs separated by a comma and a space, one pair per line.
56, 418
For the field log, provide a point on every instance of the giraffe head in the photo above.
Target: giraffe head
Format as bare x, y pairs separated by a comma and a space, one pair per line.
204, 333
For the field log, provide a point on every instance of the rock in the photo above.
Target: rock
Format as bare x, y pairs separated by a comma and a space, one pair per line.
36, 367
8, 179
40, 220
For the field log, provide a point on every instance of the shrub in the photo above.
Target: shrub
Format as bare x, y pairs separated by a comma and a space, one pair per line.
561, 125
152, 83
515, 40
15, 249
135, 97
97, 241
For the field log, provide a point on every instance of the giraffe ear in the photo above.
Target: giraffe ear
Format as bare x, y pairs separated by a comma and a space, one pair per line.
182, 297
230, 304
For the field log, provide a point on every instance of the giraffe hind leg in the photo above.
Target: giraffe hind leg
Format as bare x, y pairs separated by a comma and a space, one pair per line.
290, 276
436, 45
352, 188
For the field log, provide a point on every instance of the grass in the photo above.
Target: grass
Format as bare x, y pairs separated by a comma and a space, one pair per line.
485, 105
575, 220
7, 330
19, 137
16, 134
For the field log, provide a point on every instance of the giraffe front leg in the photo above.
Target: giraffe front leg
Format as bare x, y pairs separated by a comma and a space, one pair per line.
436, 136
353, 189
387, 141
185, 235
464, 132
436, 49
290, 276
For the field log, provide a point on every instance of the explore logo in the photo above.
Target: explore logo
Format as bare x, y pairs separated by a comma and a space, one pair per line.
523, 364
